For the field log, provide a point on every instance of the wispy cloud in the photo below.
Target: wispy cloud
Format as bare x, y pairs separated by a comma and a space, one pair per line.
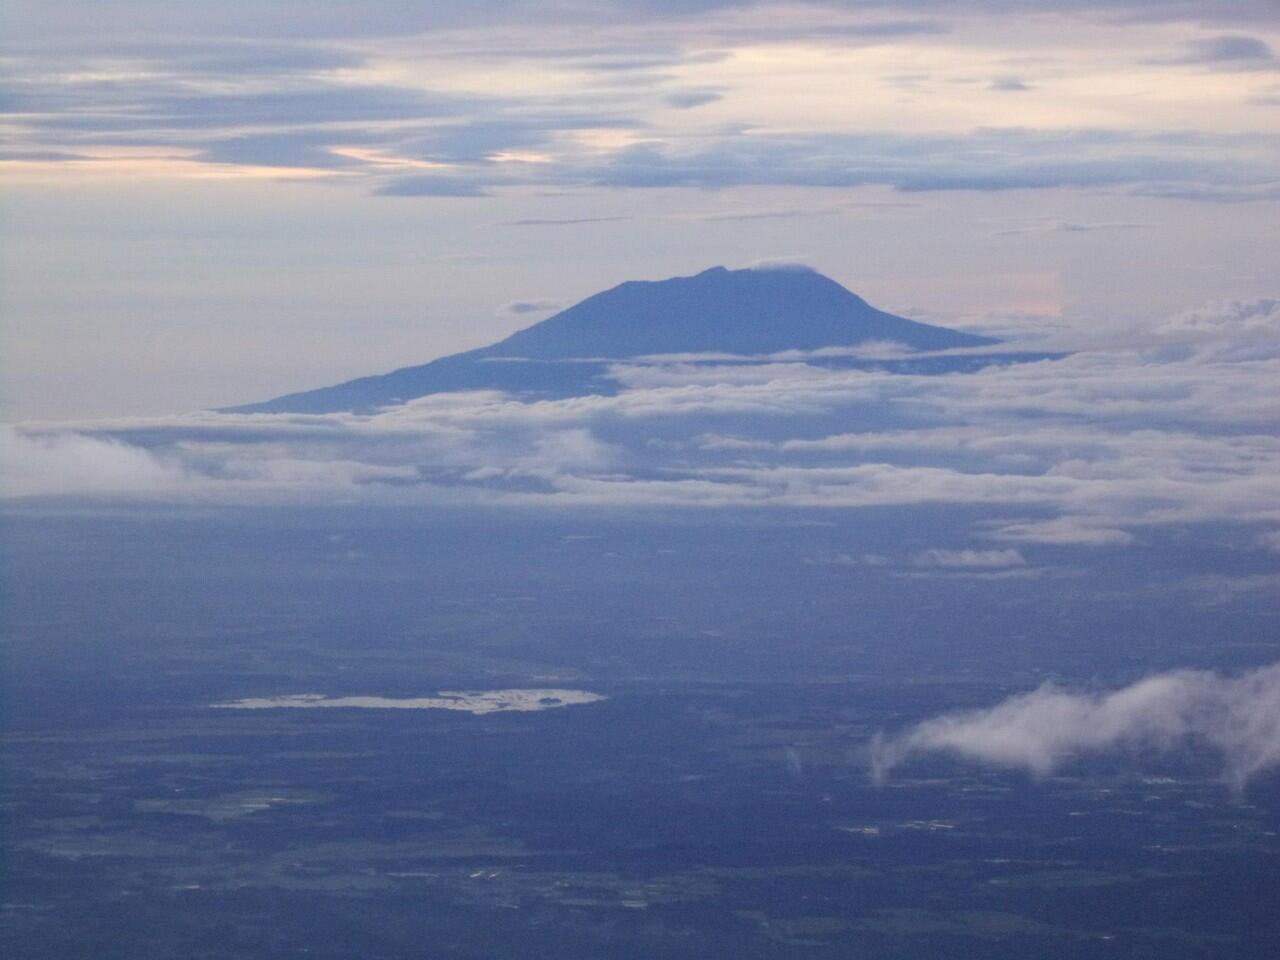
763, 215
1066, 227
688, 99
1009, 84
1231, 52
561, 221
302, 102
986, 160
435, 185
520, 308
34, 19
969, 559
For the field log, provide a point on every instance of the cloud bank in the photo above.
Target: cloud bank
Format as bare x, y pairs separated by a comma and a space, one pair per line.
1090, 450
1238, 718
328, 92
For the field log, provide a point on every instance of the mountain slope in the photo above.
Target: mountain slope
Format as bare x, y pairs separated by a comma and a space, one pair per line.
744, 312
741, 312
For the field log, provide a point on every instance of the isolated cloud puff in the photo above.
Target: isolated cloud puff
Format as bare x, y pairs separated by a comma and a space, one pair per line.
1236, 717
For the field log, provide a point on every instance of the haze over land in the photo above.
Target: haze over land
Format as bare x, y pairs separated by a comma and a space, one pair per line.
664, 479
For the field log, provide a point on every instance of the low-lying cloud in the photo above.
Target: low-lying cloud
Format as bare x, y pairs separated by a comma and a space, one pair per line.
1087, 451
1237, 718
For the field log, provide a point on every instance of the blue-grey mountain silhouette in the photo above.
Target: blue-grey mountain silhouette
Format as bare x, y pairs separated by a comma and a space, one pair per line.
747, 313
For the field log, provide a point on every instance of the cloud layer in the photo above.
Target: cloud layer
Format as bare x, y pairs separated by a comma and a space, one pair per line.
663, 96
1238, 718
1179, 427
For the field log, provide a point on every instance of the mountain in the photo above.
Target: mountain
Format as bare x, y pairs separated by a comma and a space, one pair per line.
741, 312
747, 312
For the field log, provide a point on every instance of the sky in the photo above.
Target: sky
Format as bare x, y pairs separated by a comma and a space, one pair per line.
208, 204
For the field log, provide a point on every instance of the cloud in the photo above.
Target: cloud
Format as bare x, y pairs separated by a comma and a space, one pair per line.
865, 559
969, 559
520, 308
1264, 191
1176, 427
122, 106
1217, 589
1233, 52
434, 185
645, 60
688, 99
1008, 84
762, 215
985, 160
785, 264
302, 99
1236, 717
305, 103
1071, 531
1234, 48
288, 149
892, 29
498, 128
1234, 330
33, 21
70, 463
1066, 227
561, 221
42, 156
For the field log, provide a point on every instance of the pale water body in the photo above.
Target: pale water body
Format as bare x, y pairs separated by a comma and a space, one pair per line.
468, 701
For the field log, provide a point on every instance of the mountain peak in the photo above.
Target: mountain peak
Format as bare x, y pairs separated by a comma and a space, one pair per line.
749, 312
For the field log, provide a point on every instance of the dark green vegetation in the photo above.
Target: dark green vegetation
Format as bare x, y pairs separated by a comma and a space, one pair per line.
716, 805
696, 821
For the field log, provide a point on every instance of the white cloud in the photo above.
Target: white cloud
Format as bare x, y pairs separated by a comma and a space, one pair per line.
961, 559
1237, 717
1067, 531
1234, 331
71, 463
1086, 451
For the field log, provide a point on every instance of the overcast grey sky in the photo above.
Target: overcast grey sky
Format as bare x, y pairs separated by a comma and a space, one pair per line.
213, 203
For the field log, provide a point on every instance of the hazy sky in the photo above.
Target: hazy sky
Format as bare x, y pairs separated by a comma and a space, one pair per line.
214, 203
